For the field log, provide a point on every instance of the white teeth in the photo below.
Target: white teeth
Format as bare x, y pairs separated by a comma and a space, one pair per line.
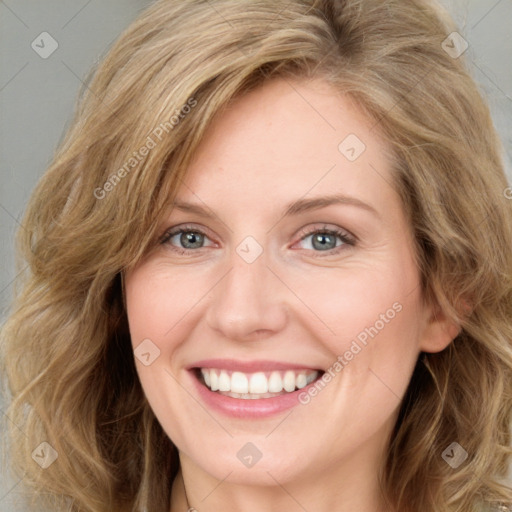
224, 381
257, 385
239, 383
214, 380
311, 377
289, 381
206, 377
275, 383
301, 381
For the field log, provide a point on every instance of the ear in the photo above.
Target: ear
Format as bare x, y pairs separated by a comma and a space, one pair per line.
439, 331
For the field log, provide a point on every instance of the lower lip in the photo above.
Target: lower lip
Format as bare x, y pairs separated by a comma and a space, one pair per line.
250, 408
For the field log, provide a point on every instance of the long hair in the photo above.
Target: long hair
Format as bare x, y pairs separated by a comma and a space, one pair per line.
66, 349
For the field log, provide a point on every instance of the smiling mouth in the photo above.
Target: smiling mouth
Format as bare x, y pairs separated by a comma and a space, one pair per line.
257, 385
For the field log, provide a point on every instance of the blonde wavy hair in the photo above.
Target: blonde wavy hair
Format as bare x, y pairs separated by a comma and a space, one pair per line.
66, 350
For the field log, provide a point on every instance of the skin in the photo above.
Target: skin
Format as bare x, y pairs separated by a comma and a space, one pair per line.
295, 303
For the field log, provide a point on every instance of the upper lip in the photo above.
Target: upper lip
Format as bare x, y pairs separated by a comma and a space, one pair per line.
248, 366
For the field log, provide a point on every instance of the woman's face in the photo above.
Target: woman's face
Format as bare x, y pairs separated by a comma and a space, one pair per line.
287, 255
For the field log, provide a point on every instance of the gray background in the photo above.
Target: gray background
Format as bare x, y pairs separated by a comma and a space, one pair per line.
37, 97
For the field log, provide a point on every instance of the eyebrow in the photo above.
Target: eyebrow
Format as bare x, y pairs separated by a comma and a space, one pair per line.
300, 206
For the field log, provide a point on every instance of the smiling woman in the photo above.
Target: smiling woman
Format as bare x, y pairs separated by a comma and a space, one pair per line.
299, 298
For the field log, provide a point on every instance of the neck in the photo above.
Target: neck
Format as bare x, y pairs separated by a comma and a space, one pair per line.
179, 500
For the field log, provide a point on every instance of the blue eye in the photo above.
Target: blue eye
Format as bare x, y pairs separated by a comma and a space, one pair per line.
326, 240
188, 239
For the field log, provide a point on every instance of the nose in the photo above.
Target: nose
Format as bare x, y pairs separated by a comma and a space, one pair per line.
248, 303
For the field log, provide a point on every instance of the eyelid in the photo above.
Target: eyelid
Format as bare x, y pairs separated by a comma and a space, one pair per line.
323, 227
348, 240
174, 230
345, 236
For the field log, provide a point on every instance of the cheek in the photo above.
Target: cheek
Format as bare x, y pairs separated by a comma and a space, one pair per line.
160, 302
371, 318
160, 307
361, 303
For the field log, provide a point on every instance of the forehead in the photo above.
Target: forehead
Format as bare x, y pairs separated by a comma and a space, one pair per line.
285, 140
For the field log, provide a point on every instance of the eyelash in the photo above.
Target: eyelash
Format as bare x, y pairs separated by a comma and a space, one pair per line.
345, 237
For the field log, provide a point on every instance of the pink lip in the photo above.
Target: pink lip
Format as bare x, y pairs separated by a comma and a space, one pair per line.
248, 366
247, 409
